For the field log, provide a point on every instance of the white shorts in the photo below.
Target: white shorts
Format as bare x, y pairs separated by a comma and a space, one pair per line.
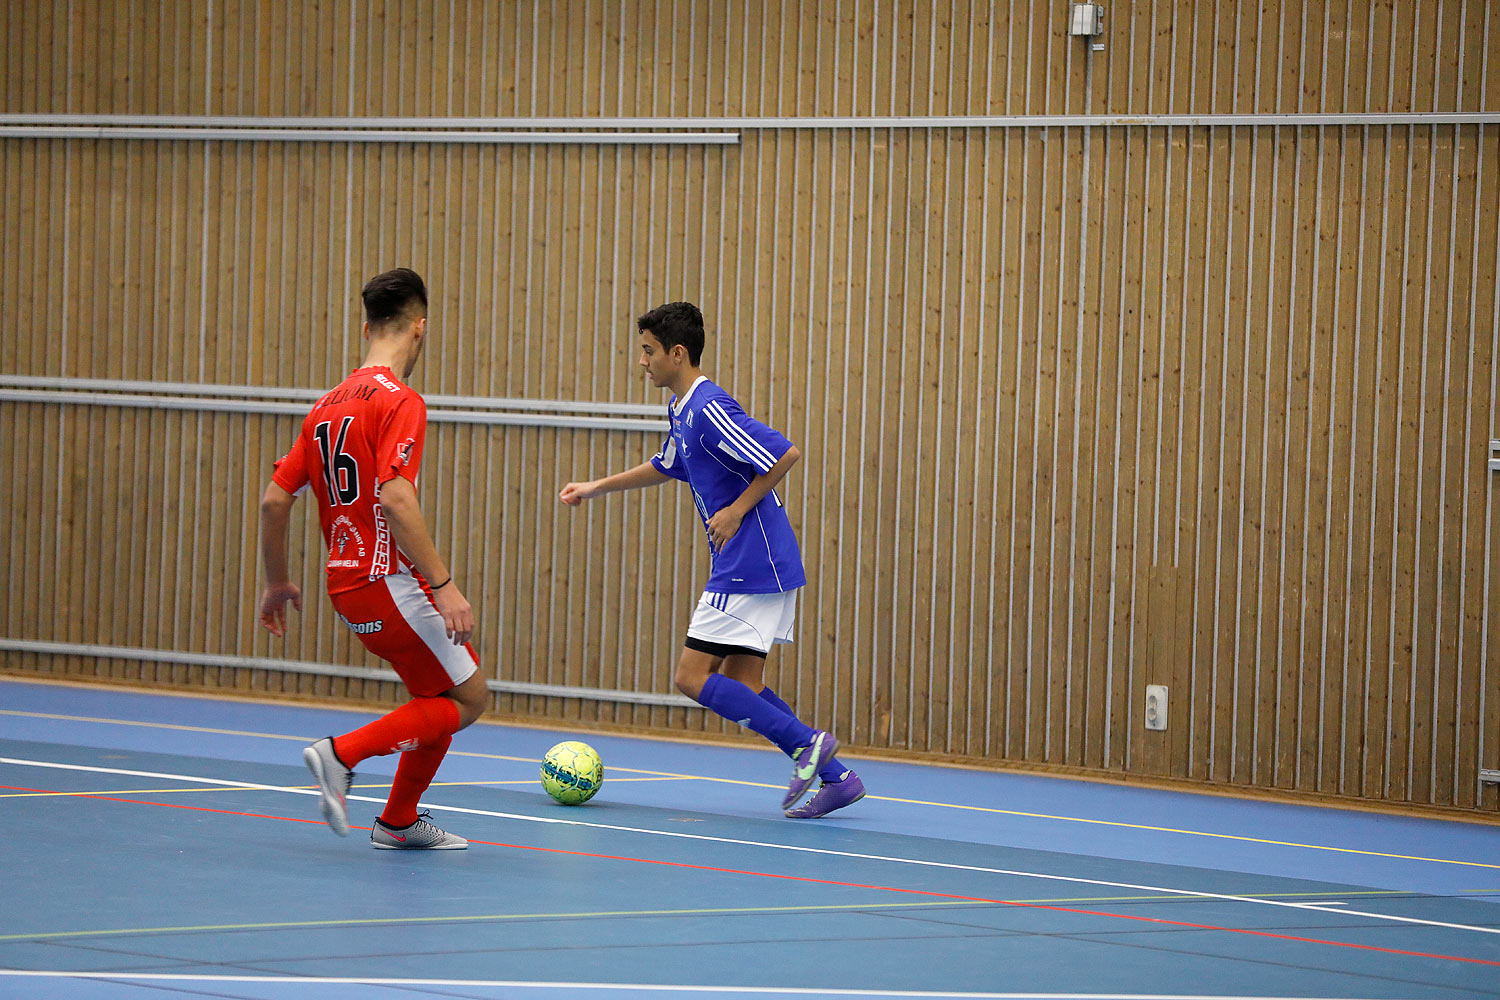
755, 621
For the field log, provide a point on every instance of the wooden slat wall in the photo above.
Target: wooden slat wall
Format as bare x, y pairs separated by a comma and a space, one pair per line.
1083, 409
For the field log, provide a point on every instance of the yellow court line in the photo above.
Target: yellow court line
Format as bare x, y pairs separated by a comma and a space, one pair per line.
727, 910
1190, 833
364, 921
308, 739
151, 725
220, 788
878, 798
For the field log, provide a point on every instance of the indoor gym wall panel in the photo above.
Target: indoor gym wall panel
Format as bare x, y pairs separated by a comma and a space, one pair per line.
1083, 408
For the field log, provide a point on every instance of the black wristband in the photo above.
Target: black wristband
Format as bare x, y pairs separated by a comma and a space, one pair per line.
443, 584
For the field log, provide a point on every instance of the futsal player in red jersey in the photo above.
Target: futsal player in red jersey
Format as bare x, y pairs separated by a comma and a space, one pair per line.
359, 451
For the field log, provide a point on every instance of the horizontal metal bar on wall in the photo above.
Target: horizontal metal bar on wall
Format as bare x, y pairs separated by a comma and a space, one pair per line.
283, 392
160, 133
206, 405
241, 122
328, 670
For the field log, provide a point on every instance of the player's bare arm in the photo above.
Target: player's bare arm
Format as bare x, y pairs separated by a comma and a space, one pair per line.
398, 498
275, 523
725, 524
640, 477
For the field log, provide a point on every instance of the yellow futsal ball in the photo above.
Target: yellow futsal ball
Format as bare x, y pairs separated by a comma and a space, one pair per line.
572, 772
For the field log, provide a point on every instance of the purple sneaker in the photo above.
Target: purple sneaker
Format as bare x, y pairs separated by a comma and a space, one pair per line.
806, 763
832, 795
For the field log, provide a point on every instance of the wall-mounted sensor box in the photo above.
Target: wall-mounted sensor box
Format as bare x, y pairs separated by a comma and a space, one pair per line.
1086, 19
1156, 706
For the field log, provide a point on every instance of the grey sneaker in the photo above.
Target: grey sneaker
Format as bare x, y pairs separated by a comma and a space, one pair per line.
807, 762
333, 780
420, 836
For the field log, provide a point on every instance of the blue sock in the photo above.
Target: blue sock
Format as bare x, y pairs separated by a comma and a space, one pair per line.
737, 703
831, 771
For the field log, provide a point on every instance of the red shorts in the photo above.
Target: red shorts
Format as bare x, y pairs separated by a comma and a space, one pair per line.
397, 621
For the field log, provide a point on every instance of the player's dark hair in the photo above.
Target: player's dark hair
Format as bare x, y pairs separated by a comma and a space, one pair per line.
676, 323
393, 294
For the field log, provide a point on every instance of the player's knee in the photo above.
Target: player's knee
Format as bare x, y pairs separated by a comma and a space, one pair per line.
472, 698
690, 678
469, 712
474, 707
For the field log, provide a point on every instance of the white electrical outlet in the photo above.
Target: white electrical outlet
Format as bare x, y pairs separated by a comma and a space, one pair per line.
1156, 706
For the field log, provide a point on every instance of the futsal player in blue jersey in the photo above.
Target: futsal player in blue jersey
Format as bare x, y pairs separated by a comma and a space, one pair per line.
732, 463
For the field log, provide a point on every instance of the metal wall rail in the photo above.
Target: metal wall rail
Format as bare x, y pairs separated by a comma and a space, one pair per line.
307, 394
257, 134
328, 670
209, 405
337, 126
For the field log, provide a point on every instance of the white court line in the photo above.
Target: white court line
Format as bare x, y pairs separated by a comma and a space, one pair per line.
801, 991
1074, 879
159, 774
732, 781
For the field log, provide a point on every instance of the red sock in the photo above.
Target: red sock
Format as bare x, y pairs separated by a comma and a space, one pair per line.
420, 722
413, 775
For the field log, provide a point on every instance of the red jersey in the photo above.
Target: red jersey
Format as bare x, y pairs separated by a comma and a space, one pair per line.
361, 434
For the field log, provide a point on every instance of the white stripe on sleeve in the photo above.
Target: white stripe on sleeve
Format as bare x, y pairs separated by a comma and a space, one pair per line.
739, 436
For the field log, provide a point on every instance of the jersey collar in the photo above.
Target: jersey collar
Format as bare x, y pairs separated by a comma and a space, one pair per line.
679, 404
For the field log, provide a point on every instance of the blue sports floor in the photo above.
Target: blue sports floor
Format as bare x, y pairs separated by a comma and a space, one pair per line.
169, 846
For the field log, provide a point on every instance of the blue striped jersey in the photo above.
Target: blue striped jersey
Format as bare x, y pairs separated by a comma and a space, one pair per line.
717, 449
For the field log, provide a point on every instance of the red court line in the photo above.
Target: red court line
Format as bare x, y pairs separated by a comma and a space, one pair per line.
173, 805
820, 881
1003, 902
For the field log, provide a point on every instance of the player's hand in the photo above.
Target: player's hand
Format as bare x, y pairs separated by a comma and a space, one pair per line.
574, 494
458, 617
723, 526
273, 606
